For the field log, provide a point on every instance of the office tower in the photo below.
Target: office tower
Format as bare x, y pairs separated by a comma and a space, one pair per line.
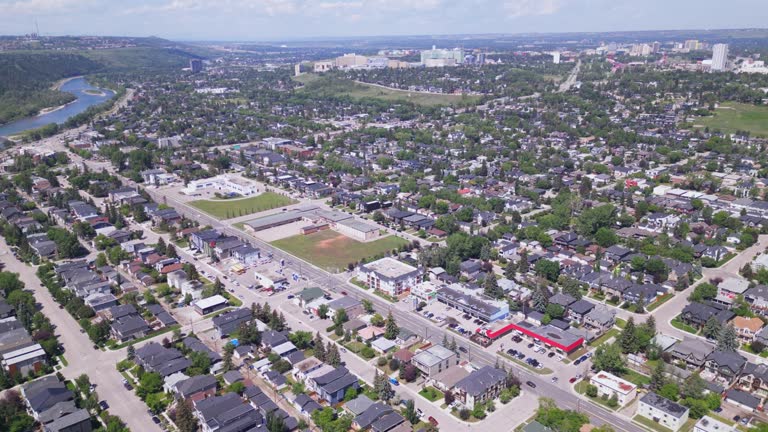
719, 56
196, 65
556, 57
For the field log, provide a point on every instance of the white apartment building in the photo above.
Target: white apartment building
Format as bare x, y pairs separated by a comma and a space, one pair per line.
609, 385
719, 57
663, 411
389, 276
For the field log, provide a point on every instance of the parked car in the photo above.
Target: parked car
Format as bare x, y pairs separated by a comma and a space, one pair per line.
155, 420
531, 384
394, 381
104, 405
433, 421
290, 296
550, 355
343, 293
128, 386
572, 380
463, 349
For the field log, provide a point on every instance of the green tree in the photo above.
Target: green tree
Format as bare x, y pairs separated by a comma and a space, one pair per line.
319, 348
409, 412
492, 288
391, 330
149, 383
608, 358
658, 379
728, 340
712, 328
367, 306
332, 356
547, 269
226, 361
185, 418
628, 338
322, 311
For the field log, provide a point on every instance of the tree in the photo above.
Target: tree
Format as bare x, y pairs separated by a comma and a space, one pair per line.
591, 390
558, 419
492, 288
322, 311
377, 320
605, 237
149, 383
658, 379
382, 387
319, 348
367, 306
608, 358
694, 386
539, 299
185, 419
391, 329
510, 271
547, 269
523, 265
340, 317
448, 397
628, 338
131, 352
728, 340
712, 328
275, 423
658, 269
410, 413
332, 356
226, 361
410, 373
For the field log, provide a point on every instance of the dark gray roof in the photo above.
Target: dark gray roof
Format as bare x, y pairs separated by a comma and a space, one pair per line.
581, 307
387, 422
743, 398
196, 384
729, 359
62, 423
479, 381
672, 408
46, 392
373, 413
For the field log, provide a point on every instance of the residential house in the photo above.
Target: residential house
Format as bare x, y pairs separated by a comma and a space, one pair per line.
747, 328
228, 322
725, 366
480, 386
333, 385
434, 360
692, 352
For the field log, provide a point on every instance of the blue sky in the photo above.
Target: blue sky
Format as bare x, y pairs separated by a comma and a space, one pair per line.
290, 19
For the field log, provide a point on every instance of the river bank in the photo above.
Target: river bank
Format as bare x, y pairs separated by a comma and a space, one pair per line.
58, 84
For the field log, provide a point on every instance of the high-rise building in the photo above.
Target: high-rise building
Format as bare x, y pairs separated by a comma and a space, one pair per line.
719, 57
196, 65
692, 45
556, 57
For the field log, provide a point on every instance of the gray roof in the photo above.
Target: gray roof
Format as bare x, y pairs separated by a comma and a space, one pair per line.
359, 404
729, 359
373, 413
68, 420
672, 408
344, 302
46, 392
479, 381
743, 398
196, 384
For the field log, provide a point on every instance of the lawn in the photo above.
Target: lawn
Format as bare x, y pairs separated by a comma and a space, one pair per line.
636, 378
332, 86
226, 209
604, 338
676, 323
431, 394
732, 117
333, 251
581, 388
660, 301
650, 424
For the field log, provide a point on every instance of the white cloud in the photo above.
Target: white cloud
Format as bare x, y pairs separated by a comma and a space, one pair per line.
521, 8
42, 6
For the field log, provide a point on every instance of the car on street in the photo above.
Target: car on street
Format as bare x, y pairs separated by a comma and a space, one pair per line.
290, 296
463, 349
530, 384
572, 380
530, 345
343, 293
155, 420
550, 355
343, 350
104, 405
736, 418
127, 386
554, 379
433, 421
394, 381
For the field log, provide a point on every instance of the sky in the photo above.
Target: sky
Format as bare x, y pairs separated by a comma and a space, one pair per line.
253, 20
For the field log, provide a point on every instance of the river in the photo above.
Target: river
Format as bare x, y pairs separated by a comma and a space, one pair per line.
77, 87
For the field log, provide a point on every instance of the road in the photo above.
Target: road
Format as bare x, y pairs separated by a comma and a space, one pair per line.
79, 353
571, 80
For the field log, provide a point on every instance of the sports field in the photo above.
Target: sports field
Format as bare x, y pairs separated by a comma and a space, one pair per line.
732, 117
333, 251
327, 86
231, 208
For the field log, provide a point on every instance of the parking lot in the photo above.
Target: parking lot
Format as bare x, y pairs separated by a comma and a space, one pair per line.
449, 318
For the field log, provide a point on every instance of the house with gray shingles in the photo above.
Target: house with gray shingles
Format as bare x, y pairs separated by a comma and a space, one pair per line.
691, 352
481, 385
332, 386
725, 366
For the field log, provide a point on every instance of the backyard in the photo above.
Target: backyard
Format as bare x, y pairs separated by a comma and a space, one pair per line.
227, 209
333, 251
431, 394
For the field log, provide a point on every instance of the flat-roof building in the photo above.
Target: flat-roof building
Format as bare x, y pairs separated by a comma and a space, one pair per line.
389, 275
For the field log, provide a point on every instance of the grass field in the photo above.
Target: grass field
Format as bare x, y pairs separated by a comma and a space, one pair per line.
226, 209
328, 86
333, 251
732, 117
